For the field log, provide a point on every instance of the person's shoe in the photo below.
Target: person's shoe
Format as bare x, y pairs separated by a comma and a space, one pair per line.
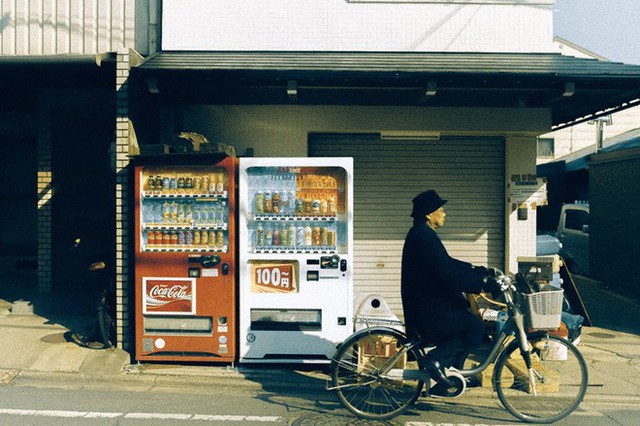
440, 390
436, 371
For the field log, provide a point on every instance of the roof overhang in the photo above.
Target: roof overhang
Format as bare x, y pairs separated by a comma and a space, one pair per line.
53, 71
574, 89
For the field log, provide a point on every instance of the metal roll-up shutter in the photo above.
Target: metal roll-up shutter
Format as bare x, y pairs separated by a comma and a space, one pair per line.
467, 171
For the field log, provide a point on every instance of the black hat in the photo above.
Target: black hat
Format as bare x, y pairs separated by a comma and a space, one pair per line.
426, 202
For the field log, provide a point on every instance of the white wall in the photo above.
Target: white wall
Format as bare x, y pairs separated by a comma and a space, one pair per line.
54, 27
340, 25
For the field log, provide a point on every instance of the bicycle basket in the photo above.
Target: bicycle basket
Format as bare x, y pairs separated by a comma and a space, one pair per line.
543, 310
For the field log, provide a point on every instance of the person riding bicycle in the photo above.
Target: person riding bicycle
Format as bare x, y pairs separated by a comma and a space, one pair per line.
435, 310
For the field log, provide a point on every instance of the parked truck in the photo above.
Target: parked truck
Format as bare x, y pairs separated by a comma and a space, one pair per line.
573, 234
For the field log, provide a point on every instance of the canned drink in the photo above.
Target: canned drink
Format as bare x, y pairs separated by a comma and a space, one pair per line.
180, 216
181, 238
174, 212
308, 206
324, 207
291, 236
212, 185
151, 184
174, 238
308, 240
196, 238
275, 202
151, 238
166, 238
259, 236
220, 184
300, 237
276, 237
212, 237
315, 236
166, 212
284, 236
180, 184
196, 183
158, 184
188, 185
188, 238
331, 206
299, 208
331, 238
173, 185
268, 236
220, 239
268, 205
204, 185
315, 206
324, 239
165, 184
204, 238
259, 203
159, 239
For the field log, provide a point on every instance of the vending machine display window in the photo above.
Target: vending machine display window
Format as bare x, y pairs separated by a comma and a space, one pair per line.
184, 210
297, 209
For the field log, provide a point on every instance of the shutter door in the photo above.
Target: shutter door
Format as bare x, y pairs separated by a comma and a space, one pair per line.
467, 171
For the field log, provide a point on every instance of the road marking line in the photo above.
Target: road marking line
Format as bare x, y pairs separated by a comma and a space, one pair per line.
143, 416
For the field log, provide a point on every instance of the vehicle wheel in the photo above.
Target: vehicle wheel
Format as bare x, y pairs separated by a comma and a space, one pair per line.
362, 385
559, 375
106, 323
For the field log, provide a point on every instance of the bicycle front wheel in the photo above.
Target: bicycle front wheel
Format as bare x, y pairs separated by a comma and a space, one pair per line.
368, 381
551, 390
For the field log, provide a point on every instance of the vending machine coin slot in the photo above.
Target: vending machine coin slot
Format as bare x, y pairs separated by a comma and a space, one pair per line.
313, 275
206, 261
225, 269
343, 265
194, 272
313, 261
330, 262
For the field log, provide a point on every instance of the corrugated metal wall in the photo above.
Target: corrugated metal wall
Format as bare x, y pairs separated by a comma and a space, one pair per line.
54, 27
467, 171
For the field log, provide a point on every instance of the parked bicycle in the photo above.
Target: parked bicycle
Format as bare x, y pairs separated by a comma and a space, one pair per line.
539, 377
103, 332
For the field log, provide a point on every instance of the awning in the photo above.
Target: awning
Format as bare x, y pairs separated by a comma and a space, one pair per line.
26, 72
575, 89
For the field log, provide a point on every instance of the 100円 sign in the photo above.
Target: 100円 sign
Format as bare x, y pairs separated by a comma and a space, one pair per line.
268, 277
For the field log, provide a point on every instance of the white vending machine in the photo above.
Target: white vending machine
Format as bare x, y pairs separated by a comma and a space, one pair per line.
295, 259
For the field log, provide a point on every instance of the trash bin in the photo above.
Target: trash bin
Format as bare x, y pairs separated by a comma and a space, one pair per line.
374, 311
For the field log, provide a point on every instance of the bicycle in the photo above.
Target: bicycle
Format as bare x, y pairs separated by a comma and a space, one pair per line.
103, 332
379, 372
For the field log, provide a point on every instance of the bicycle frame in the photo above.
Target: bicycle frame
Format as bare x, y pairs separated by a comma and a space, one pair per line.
514, 325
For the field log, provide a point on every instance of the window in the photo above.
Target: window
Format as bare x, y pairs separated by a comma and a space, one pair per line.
546, 147
576, 219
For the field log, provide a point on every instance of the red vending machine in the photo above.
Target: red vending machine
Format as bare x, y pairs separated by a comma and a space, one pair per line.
185, 285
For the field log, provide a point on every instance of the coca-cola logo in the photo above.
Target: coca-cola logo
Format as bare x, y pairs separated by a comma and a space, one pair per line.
176, 292
169, 296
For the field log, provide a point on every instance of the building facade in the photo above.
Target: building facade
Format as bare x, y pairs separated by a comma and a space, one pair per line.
450, 95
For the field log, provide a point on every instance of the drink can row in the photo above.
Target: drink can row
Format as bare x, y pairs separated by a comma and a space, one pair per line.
207, 184
185, 238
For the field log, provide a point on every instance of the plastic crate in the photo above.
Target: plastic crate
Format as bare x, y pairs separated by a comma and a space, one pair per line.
543, 310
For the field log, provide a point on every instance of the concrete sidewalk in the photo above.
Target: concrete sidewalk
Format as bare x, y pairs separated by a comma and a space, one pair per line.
33, 346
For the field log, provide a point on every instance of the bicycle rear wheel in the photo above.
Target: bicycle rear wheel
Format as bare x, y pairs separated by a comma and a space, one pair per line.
559, 374
360, 383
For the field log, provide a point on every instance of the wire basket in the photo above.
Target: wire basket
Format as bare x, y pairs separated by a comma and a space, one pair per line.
543, 310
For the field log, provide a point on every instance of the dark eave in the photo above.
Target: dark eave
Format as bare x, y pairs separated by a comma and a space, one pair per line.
573, 88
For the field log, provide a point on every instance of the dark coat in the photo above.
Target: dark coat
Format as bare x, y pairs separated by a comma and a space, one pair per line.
432, 284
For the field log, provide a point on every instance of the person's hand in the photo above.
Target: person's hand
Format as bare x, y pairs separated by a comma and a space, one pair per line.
491, 285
